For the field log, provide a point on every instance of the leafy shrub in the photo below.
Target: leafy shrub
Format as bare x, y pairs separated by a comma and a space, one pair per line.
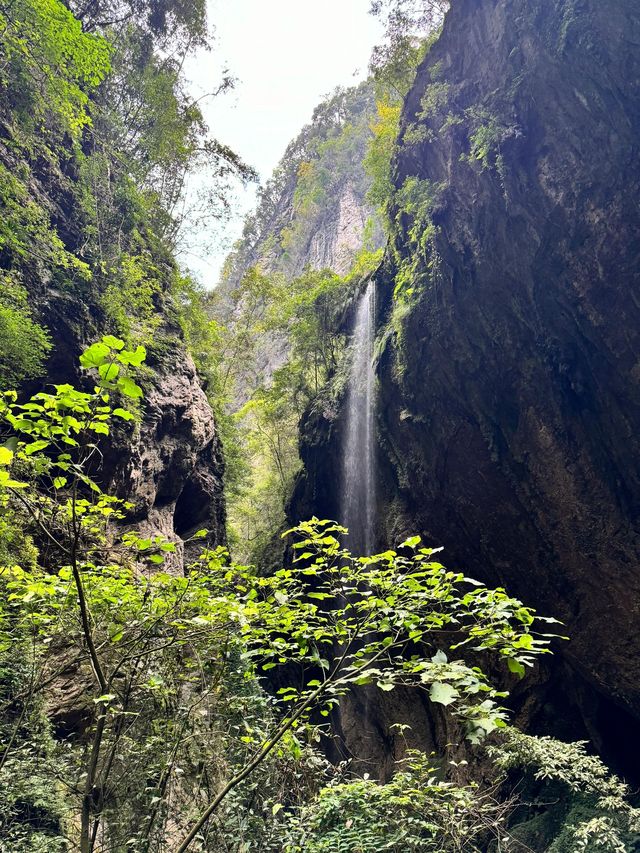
416, 812
24, 344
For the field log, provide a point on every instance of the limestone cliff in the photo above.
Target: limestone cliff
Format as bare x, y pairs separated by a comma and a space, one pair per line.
313, 210
170, 466
313, 213
509, 401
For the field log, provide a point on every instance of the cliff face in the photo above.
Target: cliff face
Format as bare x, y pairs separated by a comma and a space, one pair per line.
313, 210
171, 465
509, 395
335, 245
312, 214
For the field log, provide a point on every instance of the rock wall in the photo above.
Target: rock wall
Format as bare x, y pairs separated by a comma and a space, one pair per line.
336, 244
171, 464
509, 374
316, 221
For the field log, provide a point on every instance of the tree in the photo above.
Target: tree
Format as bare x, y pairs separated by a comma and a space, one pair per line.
406, 23
161, 658
169, 21
348, 622
417, 811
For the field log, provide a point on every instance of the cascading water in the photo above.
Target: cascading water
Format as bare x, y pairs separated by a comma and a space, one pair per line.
358, 488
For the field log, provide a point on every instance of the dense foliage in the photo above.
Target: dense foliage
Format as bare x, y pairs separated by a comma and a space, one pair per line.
98, 135
156, 695
168, 666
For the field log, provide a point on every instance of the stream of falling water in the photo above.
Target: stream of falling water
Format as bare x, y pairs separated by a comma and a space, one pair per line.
358, 488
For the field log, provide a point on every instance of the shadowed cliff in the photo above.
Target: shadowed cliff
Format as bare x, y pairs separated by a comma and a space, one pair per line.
509, 403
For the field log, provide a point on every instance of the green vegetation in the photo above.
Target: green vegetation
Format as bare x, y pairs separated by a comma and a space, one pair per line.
296, 321
170, 665
593, 808
305, 190
98, 136
416, 811
25, 344
177, 741
51, 67
156, 695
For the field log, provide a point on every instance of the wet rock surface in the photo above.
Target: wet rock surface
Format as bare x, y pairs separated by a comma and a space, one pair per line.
509, 396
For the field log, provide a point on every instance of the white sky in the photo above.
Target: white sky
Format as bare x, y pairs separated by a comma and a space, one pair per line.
287, 55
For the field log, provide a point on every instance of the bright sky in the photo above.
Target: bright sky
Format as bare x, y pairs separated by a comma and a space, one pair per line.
287, 55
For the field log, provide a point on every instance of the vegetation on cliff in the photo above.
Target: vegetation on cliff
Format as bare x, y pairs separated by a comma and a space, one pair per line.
168, 666
156, 693
98, 133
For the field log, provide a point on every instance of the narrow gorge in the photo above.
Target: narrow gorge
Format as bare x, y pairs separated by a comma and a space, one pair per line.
426, 334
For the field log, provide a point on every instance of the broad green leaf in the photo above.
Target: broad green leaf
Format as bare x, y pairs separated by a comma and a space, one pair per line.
95, 355
124, 414
112, 342
516, 667
129, 388
134, 358
6, 482
109, 371
443, 694
36, 447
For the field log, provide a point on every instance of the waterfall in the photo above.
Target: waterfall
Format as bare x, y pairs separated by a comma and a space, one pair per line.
358, 487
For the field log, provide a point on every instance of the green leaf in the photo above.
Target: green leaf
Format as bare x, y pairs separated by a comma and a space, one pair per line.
6, 456
124, 414
99, 428
113, 343
129, 388
443, 694
516, 667
7, 483
35, 447
135, 359
59, 482
109, 371
95, 355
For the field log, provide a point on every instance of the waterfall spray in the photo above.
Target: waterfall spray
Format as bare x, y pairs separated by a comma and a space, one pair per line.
358, 488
